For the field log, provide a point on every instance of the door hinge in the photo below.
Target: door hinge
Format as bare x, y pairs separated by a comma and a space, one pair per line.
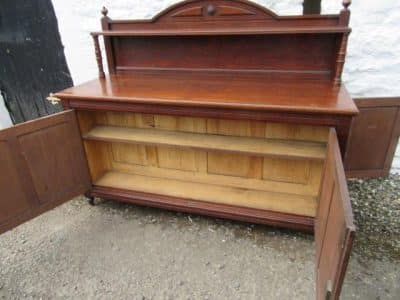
342, 239
53, 99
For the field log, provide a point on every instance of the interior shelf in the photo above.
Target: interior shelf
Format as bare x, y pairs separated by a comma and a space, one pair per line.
210, 142
281, 202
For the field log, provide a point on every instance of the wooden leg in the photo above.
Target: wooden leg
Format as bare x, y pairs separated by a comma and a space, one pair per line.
90, 198
91, 201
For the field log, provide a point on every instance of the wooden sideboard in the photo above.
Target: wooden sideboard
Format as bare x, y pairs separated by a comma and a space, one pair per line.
215, 107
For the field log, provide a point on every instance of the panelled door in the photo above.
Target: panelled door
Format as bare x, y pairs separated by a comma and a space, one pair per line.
42, 165
334, 228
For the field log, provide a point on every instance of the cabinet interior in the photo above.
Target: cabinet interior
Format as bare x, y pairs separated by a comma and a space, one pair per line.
256, 164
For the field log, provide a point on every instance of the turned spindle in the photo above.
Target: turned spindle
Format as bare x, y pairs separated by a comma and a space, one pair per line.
99, 59
106, 26
344, 18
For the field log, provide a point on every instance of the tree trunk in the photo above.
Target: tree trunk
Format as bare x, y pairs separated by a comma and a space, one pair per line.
311, 7
32, 61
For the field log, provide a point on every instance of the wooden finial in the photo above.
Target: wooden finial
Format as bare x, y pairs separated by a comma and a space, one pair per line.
346, 4
345, 13
104, 11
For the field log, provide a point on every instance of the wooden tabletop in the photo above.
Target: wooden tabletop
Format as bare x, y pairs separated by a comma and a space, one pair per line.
269, 92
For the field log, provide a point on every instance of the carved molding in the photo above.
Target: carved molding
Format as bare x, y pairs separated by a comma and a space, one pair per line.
225, 10
215, 9
196, 11
212, 10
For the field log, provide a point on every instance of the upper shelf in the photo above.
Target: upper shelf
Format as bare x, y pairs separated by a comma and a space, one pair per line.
225, 31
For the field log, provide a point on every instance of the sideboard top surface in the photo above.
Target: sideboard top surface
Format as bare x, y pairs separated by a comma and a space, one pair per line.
227, 91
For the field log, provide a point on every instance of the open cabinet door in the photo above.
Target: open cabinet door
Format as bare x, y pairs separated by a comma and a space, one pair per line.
42, 165
334, 227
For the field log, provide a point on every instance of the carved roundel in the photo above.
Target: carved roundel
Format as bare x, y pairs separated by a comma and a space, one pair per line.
214, 9
211, 10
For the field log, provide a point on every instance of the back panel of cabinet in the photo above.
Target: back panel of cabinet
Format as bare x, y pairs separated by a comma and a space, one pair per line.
269, 166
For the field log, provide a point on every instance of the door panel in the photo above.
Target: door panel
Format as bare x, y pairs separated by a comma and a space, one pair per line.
373, 137
13, 199
334, 227
43, 165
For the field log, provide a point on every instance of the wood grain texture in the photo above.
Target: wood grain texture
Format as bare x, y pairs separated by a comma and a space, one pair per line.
14, 184
205, 166
185, 32
45, 165
376, 131
244, 145
340, 122
202, 89
99, 58
98, 157
295, 171
280, 202
215, 34
311, 189
180, 167
206, 208
265, 54
334, 225
209, 19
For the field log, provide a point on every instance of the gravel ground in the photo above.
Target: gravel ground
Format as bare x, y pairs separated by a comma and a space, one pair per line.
121, 251
376, 208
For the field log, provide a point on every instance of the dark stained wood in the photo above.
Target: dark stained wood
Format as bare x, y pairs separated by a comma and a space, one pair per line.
334, 228
244, 214
340, 59
99, 58
373, 137
203, 89
228, 35
220, 32
266, 53
245, 95
342, 40
44, 166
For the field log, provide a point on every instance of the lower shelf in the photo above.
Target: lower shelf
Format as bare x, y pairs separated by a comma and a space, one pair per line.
244, 214
278, 202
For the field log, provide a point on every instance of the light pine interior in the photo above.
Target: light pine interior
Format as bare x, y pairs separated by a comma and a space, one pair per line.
254, 164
